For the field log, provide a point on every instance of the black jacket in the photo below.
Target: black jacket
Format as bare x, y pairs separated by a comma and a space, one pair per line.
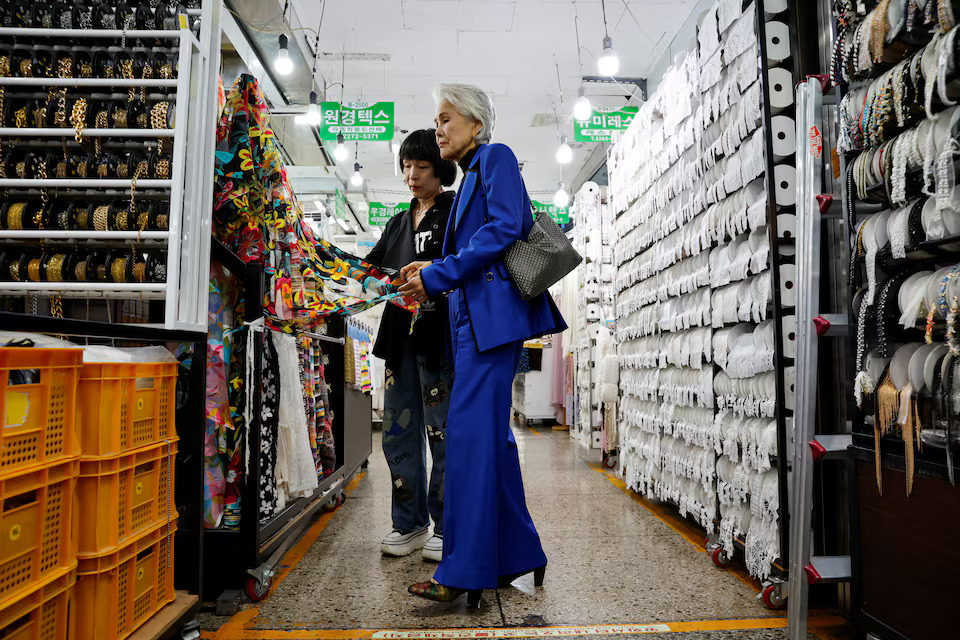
399, 246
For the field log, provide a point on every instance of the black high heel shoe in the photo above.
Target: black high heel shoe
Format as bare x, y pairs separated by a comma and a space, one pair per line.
538, 575
436, 592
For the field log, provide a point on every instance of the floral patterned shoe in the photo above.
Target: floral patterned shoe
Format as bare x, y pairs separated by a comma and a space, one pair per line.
436, 592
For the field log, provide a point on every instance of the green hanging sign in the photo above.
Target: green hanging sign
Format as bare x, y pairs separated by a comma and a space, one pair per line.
603, 122
560, 215
358, 121
381, 213
340, 205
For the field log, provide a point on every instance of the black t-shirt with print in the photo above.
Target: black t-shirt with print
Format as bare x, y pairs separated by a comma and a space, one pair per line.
400, 245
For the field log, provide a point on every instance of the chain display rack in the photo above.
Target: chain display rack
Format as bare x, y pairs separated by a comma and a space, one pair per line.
106, 165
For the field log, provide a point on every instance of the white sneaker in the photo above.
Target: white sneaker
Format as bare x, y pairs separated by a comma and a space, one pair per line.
403, 544
433, 550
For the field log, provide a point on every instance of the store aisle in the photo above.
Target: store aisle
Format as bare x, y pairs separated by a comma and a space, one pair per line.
611, 562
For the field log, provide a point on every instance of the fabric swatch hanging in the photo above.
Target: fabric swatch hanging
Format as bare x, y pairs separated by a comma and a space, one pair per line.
269, 413
258, 217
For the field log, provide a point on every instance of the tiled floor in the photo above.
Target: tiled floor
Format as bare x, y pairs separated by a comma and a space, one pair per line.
611, 561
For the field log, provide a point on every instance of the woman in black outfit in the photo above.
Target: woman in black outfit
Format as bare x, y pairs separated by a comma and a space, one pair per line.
419, 375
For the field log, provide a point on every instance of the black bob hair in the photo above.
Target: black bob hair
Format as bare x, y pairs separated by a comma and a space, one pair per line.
422, 145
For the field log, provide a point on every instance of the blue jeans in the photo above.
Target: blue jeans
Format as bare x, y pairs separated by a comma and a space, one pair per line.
416, 398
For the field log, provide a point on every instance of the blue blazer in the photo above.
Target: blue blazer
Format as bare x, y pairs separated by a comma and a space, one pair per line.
491, 212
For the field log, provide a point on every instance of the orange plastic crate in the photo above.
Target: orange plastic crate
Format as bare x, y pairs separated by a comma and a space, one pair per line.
118, 592
40, 419
37, 527
122, 496
125, 406
43, 613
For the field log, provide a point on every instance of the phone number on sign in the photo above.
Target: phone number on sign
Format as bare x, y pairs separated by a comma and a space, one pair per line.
364, 136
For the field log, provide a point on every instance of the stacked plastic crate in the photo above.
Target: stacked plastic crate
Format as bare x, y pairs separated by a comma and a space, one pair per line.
125, 492
39, 468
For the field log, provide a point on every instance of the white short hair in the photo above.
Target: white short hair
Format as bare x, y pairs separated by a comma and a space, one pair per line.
472, 102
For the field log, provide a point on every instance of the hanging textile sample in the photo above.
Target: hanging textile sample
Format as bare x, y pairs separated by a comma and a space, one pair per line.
269, 415
296, 471
257, 216
328, 450
221, 439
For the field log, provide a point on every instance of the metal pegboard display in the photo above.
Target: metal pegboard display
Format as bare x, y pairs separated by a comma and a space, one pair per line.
106, 148
703, 187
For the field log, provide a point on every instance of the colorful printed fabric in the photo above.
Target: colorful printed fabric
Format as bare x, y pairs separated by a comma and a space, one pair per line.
269, 417
221, 440
257, 216
328, 449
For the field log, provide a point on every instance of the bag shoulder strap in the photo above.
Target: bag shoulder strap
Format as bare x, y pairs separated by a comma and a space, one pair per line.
486, 219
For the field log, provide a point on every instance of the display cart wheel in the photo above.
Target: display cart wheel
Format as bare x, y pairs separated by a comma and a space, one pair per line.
720, 557
610, 461
774, 597
341, 498
529, 422
257, 590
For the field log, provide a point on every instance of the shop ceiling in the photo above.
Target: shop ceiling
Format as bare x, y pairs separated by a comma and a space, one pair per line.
397, 50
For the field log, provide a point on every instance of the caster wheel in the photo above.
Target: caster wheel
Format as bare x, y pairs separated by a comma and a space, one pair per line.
610, 462
720, 558
529, 422
257, 590
773, 597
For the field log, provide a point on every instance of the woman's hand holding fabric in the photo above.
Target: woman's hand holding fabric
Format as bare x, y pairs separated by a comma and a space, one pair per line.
414, 289
413, 269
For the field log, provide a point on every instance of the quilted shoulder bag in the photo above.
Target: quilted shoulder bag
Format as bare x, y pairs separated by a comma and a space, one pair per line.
543, 258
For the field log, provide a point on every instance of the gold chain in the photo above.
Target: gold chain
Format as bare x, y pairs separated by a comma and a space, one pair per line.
158, 120
126, 72
147, 73
101, 123
64, 71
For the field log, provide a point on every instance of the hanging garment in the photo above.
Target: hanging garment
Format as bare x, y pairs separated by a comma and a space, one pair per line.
257, 216
296, 471
328, 450
222, 440
269, 412
488, 531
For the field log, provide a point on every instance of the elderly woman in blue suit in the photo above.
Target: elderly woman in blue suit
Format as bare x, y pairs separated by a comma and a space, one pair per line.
489, 537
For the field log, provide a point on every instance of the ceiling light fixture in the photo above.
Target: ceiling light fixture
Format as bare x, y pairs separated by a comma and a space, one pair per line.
313, 111
343, 224
341, 153
582, 109
561, 198
321, 208
357, 178
564, 152
283, 64
608, 64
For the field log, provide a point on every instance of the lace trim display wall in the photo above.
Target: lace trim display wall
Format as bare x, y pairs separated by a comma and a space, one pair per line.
593, 238
898, 126
696, 315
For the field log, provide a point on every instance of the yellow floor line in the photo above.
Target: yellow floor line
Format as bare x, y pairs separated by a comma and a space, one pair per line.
513, 632
235, 627
667, 516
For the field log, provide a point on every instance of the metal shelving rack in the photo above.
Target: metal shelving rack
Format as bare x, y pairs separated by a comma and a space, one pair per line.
183, 318
189, 190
